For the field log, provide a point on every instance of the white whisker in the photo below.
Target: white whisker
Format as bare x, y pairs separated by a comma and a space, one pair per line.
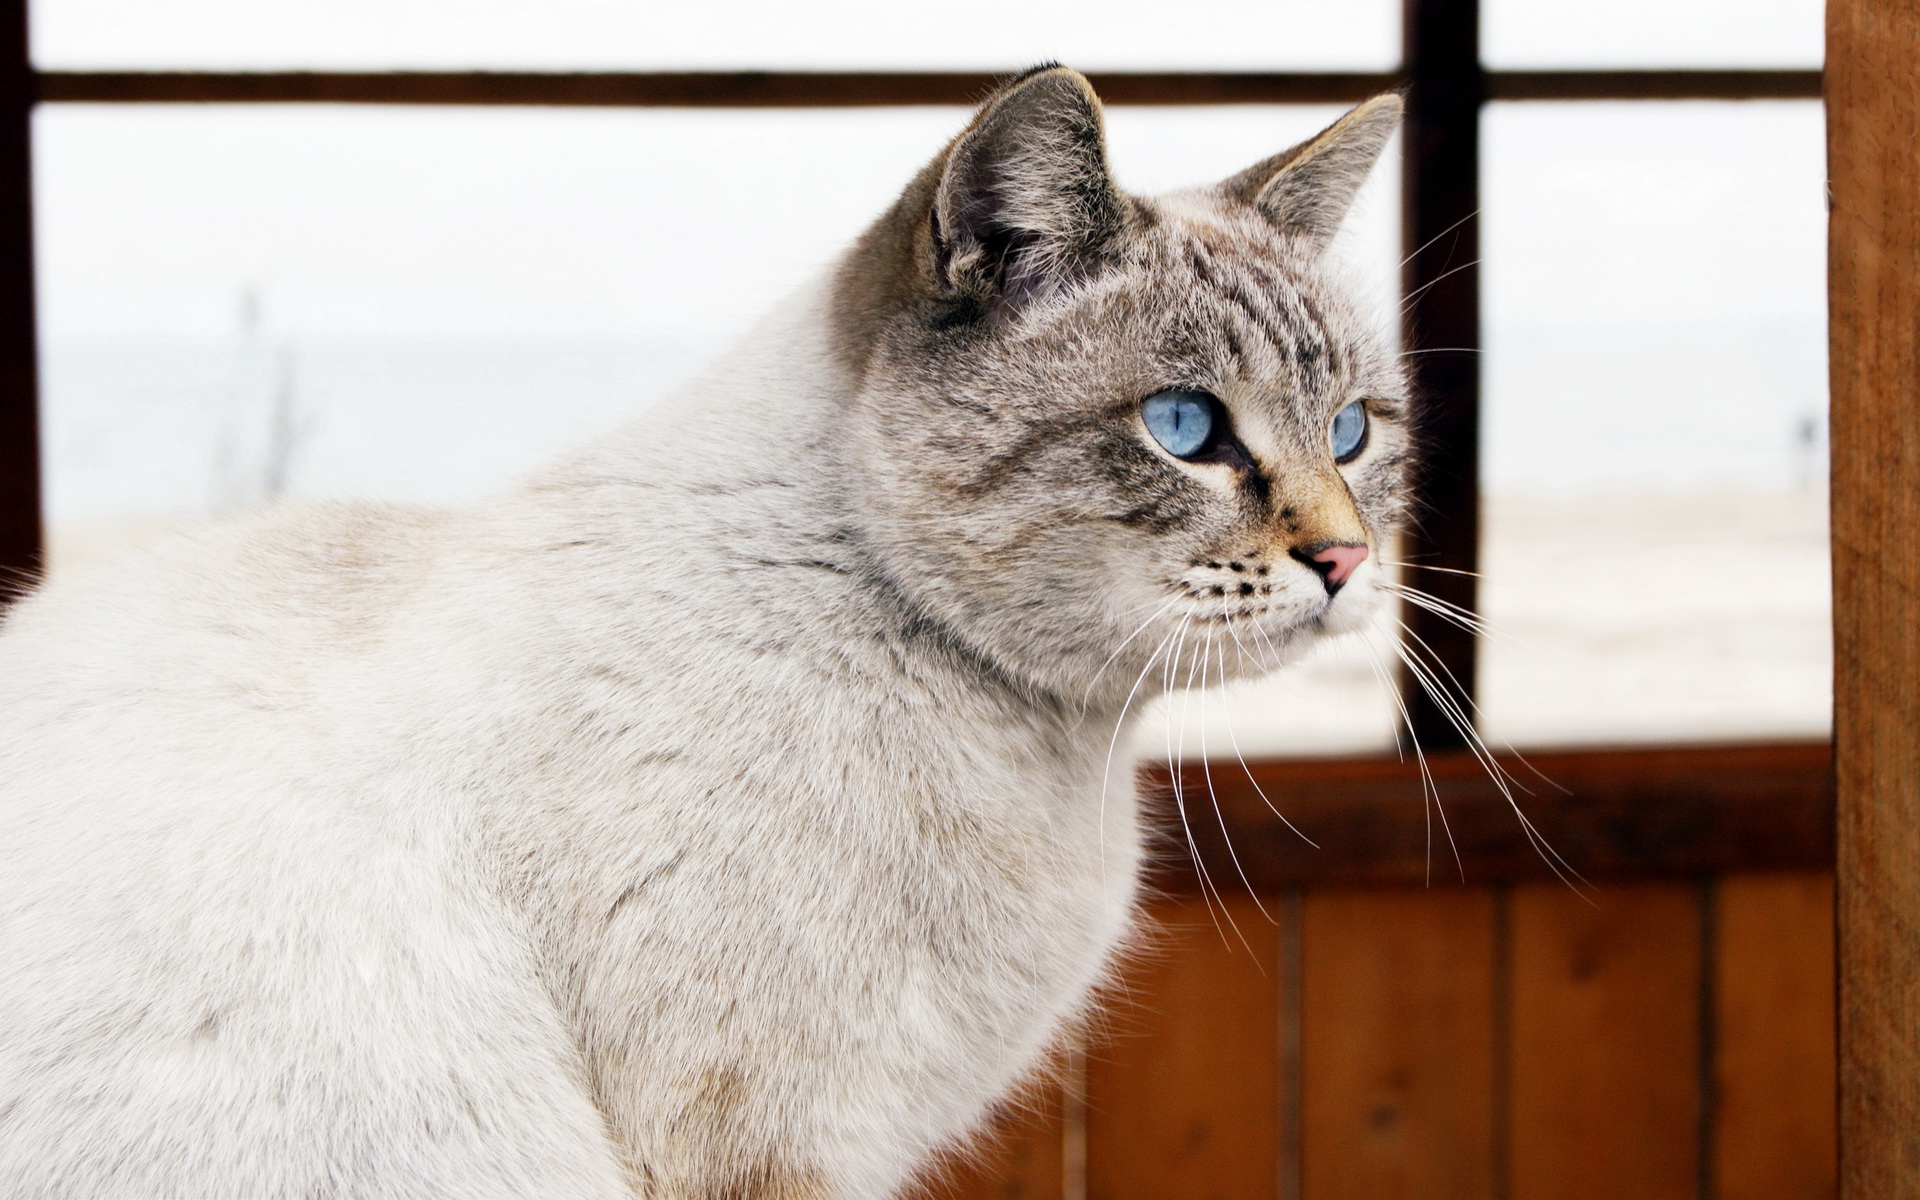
1102, 670
1424, 246
1448, 707
1120, 723
1206, 770
1209, 891
1429, 787
1233, 737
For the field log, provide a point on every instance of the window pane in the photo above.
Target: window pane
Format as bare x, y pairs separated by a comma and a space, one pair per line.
417, 304
1651, 33
716, 34
1655, 544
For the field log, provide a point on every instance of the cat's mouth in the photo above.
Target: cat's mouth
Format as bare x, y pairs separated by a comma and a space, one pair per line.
1263, 604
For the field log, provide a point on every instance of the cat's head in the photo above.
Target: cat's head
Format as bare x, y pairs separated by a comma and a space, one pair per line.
1090, 425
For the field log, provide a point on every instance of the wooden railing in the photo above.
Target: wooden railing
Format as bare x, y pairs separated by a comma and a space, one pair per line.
1341, 1033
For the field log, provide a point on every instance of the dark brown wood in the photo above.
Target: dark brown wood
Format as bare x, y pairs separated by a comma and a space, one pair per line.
1398, 1036
1675, 812
681, 89
1653, 85
1773, 1074
1873, 157
1441, 326
20, 520
1183, 1093
829, 89
1606, 1043
1291, 909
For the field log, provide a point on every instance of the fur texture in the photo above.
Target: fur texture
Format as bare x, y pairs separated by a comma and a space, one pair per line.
730, 811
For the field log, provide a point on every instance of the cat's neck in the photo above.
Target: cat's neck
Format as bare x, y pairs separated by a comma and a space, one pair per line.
738, 482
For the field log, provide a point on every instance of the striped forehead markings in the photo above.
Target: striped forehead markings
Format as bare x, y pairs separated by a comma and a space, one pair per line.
1274, 311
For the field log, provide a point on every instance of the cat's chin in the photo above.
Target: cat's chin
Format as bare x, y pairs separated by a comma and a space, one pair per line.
1353, 610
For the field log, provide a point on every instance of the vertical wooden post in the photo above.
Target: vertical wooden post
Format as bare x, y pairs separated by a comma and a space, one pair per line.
1441, 278
20, 547
1873, 150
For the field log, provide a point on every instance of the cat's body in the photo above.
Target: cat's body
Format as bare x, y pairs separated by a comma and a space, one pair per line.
726, 813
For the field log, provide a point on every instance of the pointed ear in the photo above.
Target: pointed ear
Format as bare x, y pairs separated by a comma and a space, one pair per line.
1308, 189
1025, 204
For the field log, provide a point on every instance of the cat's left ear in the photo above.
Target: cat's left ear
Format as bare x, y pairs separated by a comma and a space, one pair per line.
1025, 203
1307, 190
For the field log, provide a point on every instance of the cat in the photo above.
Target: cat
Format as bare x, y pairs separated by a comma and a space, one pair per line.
739, 808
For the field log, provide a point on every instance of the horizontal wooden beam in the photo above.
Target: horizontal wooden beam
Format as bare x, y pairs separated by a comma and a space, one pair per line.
1653, 85
678, 89
859, 89
1680, 812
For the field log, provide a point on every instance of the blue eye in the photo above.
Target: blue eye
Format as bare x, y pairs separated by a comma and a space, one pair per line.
1183, 422
1349, 435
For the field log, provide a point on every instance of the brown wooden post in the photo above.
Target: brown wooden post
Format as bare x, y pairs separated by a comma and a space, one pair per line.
1441, 279
20, 548
1873, 150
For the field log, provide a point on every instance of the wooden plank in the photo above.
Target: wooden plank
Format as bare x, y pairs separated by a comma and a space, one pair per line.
1647, 813
1873, 156
1773, 1018
684, 89
834, 89
1020, 1157
1183, 1096
1606, 1094
1440, 323
1398, 1038
1653, 85
20, 534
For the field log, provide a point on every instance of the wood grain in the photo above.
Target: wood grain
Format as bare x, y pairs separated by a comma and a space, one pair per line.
829, 89
687, 89
1652, 812
1606, 1043
1873, 154
1773, 1018
20, 517
1398, 1044
1183, 1096
1440, 278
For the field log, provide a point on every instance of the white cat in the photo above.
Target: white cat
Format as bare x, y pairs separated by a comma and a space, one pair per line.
733, 810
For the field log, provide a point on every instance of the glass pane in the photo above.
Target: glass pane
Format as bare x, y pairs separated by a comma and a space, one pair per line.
418, 304
716, 34
1655, 542
1651, 33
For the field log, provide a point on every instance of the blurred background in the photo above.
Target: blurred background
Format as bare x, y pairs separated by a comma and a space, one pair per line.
247, 301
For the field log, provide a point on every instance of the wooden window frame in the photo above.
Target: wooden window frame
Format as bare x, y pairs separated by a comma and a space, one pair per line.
1446, 87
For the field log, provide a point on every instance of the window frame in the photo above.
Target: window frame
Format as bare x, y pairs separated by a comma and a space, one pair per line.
1446, 87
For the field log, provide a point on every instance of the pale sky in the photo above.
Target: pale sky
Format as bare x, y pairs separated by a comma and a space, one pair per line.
1116, 34
1653, 274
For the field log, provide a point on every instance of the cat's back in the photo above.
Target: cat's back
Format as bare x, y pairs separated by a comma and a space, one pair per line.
187, 684
294, 584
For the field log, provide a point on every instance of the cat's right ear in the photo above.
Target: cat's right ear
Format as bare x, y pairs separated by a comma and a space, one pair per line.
1025, 204
1306, 191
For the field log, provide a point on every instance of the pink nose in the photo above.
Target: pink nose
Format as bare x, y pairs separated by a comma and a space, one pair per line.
1335, 563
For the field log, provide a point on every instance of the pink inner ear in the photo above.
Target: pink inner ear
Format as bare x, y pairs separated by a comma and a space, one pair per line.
1344, 559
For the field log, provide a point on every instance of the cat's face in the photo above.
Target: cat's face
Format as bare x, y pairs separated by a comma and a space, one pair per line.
1093, 427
